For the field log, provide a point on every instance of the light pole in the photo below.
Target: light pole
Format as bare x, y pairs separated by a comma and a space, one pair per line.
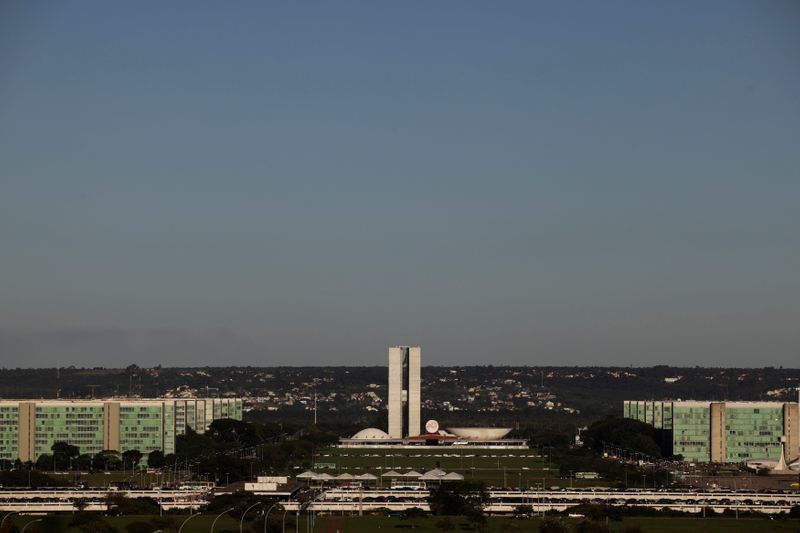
214, 523
283, 522
3, 521
184, 522
267, 515
241, 522
29, 523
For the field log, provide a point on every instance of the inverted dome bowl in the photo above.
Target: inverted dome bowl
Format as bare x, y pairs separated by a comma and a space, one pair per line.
480, 433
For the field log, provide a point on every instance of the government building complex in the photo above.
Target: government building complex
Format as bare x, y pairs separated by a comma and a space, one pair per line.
722, 432
28, 428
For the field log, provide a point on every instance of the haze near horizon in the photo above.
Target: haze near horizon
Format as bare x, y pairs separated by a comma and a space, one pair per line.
536, 183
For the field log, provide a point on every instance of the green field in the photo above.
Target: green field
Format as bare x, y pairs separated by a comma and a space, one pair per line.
371, 524
506, 468
200, 524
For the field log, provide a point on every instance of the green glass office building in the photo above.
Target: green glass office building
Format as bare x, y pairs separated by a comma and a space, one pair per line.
724, 432
29, 428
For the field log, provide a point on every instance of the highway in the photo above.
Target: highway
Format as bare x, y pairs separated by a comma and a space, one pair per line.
344, 500
354, 500
55, 500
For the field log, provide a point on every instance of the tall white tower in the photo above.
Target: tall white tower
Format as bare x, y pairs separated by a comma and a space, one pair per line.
405, 383
414, 386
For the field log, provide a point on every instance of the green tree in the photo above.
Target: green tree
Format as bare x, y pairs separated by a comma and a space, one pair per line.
234, 431
155, 459
83, 462
26, 478
106, 460
44, 462
131, 457
64, 454
476, 517
455, 499
623, 432
137, 506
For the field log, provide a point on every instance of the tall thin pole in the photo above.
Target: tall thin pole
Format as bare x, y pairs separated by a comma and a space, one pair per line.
184, 522
3, 521
283, 522
241, 522
267, 515
29, 523
218, 517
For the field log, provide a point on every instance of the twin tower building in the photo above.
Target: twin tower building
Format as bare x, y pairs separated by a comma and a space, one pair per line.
405, 383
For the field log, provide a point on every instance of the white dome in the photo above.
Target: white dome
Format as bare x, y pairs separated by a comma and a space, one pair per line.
371, 434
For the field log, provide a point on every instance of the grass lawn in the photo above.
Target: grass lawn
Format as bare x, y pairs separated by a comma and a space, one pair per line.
507, 468
200, 524
371, 524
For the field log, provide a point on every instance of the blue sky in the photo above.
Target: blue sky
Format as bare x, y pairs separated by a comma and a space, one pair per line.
508, 183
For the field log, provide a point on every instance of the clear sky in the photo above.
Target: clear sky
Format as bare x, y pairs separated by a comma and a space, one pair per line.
307, 183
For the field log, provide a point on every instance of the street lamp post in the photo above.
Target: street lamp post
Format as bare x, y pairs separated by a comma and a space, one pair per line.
3, 521
283, 522
184, 522
218, 517
241, 522
29, 523
267, 515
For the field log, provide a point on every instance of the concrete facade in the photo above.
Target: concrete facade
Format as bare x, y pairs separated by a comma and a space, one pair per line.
27, 431
791, 425
29, 428
396, 357
414, 390
718, 434
725, 432
405, 384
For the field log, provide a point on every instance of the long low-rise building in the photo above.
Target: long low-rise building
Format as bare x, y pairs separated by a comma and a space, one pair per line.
29, 428
723, 432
